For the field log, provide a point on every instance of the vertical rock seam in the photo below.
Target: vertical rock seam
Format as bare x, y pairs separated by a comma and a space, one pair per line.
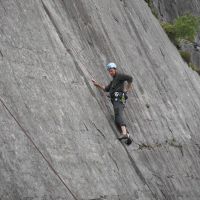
37, 148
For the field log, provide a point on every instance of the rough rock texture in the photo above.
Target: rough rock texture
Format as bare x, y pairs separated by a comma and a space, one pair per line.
171, 9
194, 52
57, 136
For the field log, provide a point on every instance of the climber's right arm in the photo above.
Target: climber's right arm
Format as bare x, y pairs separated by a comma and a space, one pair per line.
98, 85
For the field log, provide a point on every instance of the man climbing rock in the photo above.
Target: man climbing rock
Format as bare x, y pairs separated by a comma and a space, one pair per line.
118, 93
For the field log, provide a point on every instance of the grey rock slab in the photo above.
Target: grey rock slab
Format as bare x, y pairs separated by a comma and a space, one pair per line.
169, 10
24, 173
50, 51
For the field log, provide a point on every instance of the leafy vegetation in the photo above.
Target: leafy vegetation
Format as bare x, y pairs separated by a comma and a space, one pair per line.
187, 27
183, 28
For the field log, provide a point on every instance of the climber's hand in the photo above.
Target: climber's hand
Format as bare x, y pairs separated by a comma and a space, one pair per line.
94, 82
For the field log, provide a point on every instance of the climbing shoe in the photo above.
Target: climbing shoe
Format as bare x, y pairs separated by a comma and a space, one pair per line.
123, 137
129, 141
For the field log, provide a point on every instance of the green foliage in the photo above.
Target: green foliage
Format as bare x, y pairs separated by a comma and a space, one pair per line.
171, 31
184, 27
186, 56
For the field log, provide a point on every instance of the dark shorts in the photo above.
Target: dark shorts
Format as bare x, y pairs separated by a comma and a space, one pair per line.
118, 110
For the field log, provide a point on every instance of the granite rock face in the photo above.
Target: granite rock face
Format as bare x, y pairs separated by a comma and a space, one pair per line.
57, 135
170, 10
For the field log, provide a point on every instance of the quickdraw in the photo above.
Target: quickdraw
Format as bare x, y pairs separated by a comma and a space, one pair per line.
120, 96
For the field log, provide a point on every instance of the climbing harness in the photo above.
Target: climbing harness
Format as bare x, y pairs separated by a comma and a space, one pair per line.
120, 96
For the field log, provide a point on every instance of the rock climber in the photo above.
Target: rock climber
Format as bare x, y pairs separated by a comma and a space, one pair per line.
117, 89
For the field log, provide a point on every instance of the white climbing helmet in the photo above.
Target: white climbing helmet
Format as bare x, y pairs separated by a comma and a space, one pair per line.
111, 66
